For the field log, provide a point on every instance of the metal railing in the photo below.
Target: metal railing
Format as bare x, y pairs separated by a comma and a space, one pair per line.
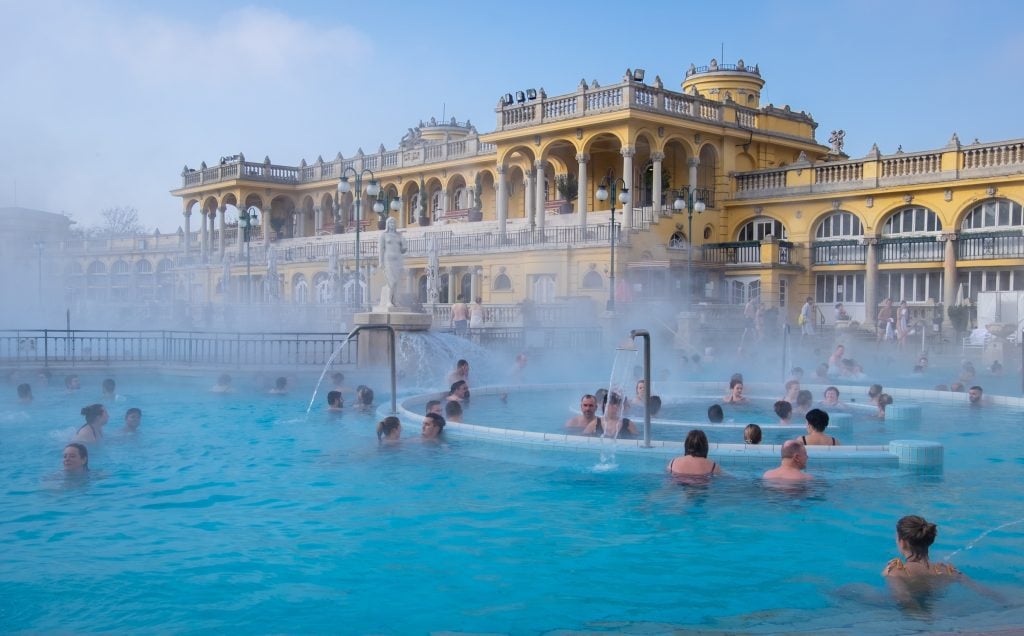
60, 347
990, 245
911, 249
740, 252
844, 252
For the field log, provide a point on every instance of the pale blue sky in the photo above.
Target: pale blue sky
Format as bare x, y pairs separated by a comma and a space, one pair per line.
104, 102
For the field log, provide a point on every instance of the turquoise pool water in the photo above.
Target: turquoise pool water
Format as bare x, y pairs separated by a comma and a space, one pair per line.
238, 513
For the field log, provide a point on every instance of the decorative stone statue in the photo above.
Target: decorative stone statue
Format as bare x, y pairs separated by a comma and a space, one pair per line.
837, 140
391, 257
433, 271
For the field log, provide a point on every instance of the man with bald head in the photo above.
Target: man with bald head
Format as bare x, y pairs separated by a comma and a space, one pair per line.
794, 461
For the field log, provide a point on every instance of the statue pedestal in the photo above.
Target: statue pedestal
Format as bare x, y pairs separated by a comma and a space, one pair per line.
372, 345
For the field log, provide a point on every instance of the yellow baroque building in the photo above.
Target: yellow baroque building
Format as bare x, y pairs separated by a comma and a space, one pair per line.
728, 200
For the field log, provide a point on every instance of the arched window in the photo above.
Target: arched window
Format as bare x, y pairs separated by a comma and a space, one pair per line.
678, 239
592, 280
143, 267
912, 220
757, 229
993, 214
461, 198
466, 287
706, 170
300, 289
502, 283
838, 225
436, 204
324, 287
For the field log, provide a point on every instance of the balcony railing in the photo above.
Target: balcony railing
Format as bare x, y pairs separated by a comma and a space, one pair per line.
990, 245
738, 253
910, 249
844, 252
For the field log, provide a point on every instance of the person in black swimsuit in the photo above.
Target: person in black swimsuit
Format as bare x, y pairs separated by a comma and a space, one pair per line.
96, 417
817, 422
695, 461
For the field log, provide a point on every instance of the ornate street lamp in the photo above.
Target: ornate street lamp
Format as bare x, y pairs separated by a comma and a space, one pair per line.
372, 188
690, 205
610, 181
248, 219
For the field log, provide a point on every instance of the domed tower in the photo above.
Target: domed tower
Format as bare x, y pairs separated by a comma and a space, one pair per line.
722, 82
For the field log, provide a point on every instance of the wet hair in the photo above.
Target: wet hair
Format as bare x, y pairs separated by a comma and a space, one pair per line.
132, 410
734, 382
804, 397
83, 452
884, 399
431, 404
918, 534
335, 396
874, 390
92, 412
68, 379
783, 409
817, 419
792, 383
436, 420
364, 395
458, 384
281, 382
461, 363
24, 390
831, 388
109, 386
452, 409
752, 433
654, 405
715, 414
941, 387
387, 426
696, 443
337, 377
614, 398
977, 388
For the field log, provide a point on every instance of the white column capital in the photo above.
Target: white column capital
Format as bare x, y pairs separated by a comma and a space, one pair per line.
186, 213
657, 156
693, 162
582, 157
501, 168
628, 151
539, 164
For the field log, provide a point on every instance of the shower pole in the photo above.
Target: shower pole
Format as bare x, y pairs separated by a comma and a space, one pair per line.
643, 333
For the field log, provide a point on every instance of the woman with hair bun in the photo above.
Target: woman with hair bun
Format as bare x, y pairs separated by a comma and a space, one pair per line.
914, 535
96, 417
389, 429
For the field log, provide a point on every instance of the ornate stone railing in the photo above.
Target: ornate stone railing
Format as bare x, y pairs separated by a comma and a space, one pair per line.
947, 164
625, 95
330, 170
761, 182
997, 155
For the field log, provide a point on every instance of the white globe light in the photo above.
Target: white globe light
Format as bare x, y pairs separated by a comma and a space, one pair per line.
602, 193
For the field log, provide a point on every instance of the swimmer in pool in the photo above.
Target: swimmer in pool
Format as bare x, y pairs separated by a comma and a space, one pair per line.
335, 403
794, 462
694, 462
389, 429
96, 418
817, 422
453, 411
735, 395
914, 535
24, 394
588, 413
613, 424
223, 384
132, 419
433, 426
280, 386
76, 458
434, 406
784, 410
715, 414
752, 433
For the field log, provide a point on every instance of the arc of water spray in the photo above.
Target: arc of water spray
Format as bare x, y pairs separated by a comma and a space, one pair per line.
975, 542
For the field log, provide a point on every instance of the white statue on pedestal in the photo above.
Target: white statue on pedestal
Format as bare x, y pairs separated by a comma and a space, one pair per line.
391, 257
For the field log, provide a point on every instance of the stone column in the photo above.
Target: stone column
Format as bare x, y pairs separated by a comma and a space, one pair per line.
502, 200
188, 230
318, 219
300, 229
474, 284
539, 193
870, 280
581, 190
221, 226
265, 225
204, 238
949, 276
692, 176
657, 158
627, 178
528, 199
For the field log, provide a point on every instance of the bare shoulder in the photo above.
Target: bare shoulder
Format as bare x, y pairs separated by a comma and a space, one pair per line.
894, 567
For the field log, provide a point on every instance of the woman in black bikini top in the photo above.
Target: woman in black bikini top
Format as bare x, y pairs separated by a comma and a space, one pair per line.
96, 417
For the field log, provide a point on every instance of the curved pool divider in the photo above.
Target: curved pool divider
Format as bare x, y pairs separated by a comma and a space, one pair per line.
902, 453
